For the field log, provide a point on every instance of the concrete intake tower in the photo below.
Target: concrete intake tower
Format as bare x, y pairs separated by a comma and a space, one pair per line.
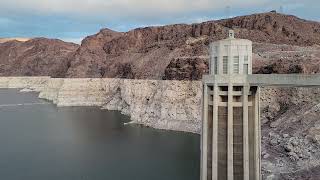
231, 134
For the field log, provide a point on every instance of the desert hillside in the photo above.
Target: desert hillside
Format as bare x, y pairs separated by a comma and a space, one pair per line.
180, 51
177, 51
35, 57
3, 40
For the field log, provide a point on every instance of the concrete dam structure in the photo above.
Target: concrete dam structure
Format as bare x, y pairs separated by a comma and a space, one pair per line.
231, 130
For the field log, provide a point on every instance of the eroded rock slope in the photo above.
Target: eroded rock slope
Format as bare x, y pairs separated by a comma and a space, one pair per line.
35, 57
180, 51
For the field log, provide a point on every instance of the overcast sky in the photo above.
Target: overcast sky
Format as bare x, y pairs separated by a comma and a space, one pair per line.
71, 20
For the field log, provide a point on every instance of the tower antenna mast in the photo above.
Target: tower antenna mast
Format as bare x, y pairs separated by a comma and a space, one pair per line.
281, 9
228, 8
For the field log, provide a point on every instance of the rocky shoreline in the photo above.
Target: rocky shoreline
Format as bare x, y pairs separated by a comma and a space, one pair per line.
169, 105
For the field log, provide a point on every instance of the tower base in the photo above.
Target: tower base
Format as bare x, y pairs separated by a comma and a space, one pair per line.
230, 145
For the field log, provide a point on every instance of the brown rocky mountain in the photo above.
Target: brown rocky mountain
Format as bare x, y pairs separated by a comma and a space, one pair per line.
168, 52
88, 60
180, 51
35, 57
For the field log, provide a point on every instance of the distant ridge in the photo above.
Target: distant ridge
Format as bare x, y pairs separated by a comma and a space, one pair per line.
2, 40
35, 57
178, 51
175, 51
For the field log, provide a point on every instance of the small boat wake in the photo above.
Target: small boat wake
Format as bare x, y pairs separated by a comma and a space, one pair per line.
23, 104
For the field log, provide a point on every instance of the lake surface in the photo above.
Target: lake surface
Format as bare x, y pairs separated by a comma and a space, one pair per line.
42, 142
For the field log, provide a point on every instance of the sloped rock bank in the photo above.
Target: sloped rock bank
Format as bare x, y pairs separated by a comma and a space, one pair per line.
172, 105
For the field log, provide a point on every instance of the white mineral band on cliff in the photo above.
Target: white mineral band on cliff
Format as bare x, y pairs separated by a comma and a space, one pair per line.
171, 105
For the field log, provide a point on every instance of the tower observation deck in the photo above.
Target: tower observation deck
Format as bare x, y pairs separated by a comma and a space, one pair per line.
231, 134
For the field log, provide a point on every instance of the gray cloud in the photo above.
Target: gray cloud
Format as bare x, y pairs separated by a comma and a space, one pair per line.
142, 10
73, 19
123, 8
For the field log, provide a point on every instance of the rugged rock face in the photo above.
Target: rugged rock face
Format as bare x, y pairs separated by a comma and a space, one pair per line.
285, 59
88, 60
174, 51
35, 57
169, 52
290, 133
276, 28
142, 53
267, 59
171, 105
190, 68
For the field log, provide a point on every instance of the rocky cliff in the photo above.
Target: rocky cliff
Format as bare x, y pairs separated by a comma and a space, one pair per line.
171, 105
180, 52
290, 133
172, 52
35, 57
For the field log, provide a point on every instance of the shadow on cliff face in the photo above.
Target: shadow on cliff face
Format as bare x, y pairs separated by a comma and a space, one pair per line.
121, 70
310, 174
186, 69
287, 67
125, 71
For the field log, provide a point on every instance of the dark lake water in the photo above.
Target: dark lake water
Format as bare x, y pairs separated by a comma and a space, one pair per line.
43, 142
